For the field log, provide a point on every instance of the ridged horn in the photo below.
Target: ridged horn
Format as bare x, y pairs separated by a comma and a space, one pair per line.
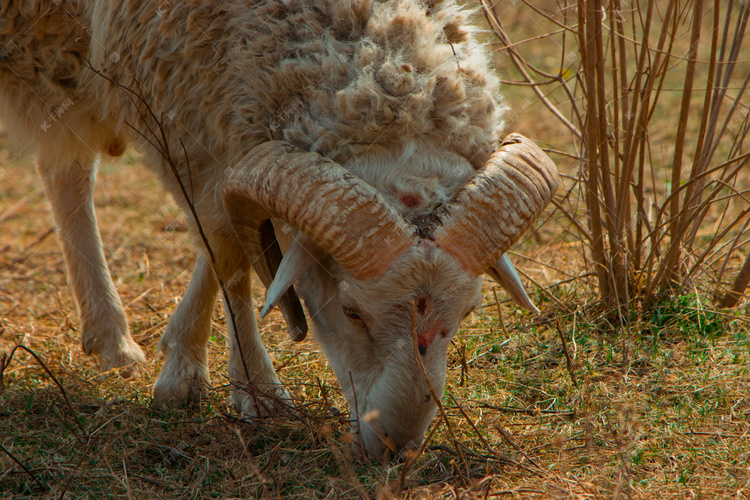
493, 209
344, 215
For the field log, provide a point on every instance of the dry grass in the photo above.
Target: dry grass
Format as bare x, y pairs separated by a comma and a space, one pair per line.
655, 407
670, 418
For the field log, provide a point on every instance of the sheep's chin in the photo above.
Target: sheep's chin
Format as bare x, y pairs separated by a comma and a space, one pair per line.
379, 418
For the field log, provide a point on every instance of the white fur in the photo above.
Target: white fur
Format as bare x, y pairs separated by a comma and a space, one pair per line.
397, 91
69, 185
375, 358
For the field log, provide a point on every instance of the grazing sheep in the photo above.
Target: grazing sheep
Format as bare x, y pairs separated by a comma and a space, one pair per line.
363, 129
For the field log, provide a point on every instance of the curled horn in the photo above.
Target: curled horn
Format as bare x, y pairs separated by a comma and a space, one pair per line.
345, 216
493, 209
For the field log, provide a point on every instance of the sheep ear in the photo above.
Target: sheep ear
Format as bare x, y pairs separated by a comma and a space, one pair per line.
506, 275
266, 264
301, 254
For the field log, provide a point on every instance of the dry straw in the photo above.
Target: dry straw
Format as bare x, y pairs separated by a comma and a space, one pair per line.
543, 410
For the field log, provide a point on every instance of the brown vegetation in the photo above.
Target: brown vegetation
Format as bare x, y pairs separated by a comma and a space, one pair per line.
576, 403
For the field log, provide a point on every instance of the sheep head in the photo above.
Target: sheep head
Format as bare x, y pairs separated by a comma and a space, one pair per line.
386, 294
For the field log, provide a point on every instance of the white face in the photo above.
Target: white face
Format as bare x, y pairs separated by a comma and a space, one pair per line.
367, 329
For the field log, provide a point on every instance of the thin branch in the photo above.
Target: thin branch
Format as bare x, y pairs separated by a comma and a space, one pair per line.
5, 362
733, 296
498, 30
568, 360
25, 469
437, 397
162, 147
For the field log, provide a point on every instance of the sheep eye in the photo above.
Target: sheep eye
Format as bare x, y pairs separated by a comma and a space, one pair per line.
351, 313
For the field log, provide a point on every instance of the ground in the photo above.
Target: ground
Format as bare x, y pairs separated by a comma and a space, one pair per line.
659, 408
573, 403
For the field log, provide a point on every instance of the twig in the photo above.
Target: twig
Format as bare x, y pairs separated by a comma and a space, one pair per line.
568, 361
738, 288
516, 491
499, 312
356, 415
5, 362
528, 411
162, 147
498, 29
543, 289
26, 470
509, 440
411, 459
674, 209
31, 245
75, 469
435, 396
8, 213
484, 441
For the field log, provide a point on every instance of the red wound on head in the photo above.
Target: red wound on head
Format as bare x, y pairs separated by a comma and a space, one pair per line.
429, 331
423, 342
411, 200
426, 338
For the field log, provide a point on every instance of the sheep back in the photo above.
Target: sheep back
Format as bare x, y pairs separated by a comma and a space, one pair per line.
328, 76
333, 76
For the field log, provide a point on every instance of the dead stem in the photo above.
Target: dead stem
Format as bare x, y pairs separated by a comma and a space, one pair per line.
499, 311
568, 360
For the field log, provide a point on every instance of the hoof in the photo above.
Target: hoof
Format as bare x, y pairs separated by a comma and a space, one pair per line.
125, 357
106, 336
261, 400
180, 381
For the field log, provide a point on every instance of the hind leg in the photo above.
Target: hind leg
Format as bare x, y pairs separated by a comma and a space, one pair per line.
69, 186
256, 387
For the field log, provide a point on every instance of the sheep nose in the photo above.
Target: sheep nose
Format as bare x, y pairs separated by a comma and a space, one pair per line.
393, 452
397, 451
390, 444
386, 445
386, 449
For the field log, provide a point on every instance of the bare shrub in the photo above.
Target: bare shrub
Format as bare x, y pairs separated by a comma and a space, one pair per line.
651, 95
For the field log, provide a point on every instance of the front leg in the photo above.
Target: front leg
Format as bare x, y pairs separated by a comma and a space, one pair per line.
256, 387
104, 327
185, 371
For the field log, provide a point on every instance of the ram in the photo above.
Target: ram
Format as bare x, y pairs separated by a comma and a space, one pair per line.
365, 132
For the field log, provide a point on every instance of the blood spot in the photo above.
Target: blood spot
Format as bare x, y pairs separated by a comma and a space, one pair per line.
411, 200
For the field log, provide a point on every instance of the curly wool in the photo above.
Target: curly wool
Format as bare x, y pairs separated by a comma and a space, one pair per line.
382, 72
44, 47
330, 76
